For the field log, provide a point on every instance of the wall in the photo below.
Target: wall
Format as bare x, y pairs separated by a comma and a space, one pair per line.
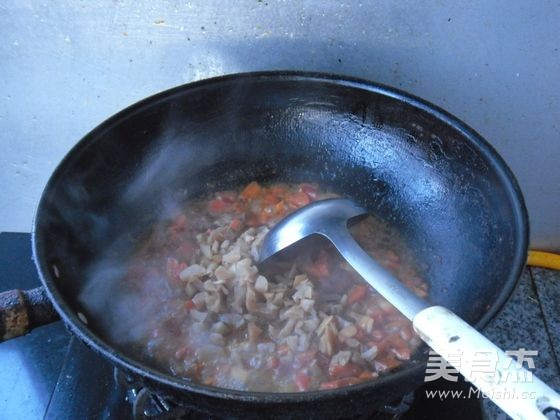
66, 66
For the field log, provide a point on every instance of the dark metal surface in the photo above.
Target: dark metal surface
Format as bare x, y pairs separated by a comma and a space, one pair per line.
30, 365
86, 388
431, 177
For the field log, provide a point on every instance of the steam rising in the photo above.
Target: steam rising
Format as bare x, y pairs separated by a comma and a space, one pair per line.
125, 314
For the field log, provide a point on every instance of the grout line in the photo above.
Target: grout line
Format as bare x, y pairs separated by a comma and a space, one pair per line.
546, 328
64, 362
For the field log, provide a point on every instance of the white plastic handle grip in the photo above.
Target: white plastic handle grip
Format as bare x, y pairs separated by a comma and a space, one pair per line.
448, 335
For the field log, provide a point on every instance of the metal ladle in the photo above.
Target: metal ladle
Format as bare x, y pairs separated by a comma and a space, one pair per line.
440, 328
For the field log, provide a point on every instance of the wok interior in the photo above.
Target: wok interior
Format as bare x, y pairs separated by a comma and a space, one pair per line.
444, 194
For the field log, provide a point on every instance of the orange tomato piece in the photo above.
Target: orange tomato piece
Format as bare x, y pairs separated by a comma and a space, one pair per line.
186, 251
303, 381
345, 371
283, 349
179, 223
298, 199
278, 189
309, 189
228, 196
182, 352
360, 335
280, 209
306, 357
357, 293
174, 268
318, 268
235, 224
270, 199
273, 362
253, 221
368, 374
400, 348
218, 206
387, 362
251, 191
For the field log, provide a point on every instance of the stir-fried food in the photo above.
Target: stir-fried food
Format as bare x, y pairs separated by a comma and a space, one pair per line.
307, 323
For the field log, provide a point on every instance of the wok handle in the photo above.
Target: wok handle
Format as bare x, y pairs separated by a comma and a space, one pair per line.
23, 310
510, 386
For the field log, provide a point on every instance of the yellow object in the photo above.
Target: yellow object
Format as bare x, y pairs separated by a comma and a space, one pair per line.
544, 259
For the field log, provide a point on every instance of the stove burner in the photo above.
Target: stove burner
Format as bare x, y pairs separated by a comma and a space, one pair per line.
147, 405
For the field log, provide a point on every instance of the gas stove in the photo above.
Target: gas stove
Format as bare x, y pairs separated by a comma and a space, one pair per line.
50, 374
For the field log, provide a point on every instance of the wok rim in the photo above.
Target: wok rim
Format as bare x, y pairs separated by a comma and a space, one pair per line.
87, 336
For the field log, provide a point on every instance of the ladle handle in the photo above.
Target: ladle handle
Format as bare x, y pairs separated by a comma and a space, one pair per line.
400, 296
23, 310
508, 384
455, 340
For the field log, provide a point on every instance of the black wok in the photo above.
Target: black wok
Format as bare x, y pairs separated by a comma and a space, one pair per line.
446, 191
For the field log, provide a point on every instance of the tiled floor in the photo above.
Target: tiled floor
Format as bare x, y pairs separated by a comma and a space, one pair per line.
531, 320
